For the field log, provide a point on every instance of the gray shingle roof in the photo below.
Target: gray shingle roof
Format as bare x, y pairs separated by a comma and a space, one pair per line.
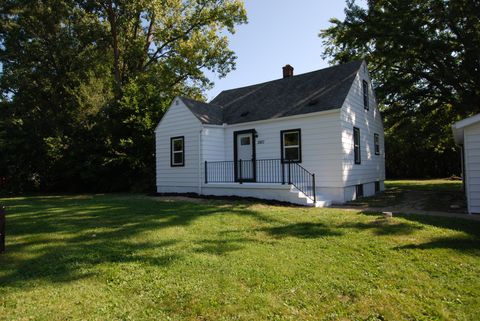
315, 91
206, 113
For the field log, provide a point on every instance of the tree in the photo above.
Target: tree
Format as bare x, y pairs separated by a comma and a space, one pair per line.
48, 51
160, 49
424, 57
83, 84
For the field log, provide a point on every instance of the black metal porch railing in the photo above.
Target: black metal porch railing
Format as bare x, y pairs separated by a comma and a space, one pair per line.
262, 171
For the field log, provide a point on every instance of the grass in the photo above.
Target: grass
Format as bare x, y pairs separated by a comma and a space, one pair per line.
425, 185
132, 257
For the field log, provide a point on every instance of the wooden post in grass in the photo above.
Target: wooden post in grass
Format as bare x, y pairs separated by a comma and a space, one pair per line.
2, 229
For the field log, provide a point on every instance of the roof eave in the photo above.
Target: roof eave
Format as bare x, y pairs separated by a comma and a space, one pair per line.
467, 122
457, 135
459, 127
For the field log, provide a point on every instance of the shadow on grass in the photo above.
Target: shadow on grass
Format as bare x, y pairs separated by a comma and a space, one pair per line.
61, 239
469, 242
472, 228
302, 230
467, 245
383, 226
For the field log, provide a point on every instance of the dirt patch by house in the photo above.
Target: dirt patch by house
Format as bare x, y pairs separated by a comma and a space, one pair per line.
448, 203
195, 198
397, 199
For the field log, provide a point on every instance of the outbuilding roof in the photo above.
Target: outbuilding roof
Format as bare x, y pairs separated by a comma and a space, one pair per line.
311, 92
459, 127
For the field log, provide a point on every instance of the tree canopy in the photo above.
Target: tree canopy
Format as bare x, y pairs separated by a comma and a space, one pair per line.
424, 57
83, 84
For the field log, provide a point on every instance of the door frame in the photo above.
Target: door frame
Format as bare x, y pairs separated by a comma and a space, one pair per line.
254, 156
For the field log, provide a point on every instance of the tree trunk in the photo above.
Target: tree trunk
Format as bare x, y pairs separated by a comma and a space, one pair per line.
112, 19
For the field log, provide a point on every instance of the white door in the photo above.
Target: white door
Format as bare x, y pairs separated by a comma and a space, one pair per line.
244, 162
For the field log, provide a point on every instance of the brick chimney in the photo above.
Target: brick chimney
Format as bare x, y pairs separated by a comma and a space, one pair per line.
287, 71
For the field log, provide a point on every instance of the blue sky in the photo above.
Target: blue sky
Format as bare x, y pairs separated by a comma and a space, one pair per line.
279, 32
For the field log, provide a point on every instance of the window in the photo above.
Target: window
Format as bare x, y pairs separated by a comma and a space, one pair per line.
359, 190
291, 145
365, 95
377, 186
245, 141
356, 145
376, 141
177, 151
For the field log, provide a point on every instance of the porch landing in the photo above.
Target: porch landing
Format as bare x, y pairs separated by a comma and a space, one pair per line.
268, 191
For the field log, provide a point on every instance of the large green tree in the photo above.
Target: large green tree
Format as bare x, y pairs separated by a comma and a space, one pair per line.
424, 57
49, 51
160, 49
84, 82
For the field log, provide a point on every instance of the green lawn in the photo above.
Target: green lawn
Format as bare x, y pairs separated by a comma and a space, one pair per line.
124, 257
425, 185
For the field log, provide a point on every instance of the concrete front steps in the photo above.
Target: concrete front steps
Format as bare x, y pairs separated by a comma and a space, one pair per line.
301, 199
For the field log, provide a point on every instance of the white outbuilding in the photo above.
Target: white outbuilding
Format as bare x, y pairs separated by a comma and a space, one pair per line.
467, 134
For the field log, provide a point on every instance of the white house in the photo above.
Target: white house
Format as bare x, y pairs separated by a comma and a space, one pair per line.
311, 139
467, 134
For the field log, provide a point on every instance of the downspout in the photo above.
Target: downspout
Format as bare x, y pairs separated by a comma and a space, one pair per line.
200, 158
462, 160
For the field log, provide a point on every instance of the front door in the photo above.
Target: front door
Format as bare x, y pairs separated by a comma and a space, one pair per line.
244, 156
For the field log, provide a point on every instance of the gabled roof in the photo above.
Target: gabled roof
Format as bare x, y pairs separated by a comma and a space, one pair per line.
459, 126
206, 113
311, 92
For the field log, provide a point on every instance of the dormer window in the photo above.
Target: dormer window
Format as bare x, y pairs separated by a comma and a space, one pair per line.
365, 95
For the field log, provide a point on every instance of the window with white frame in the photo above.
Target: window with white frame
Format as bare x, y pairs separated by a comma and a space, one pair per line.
177, 151
376, 141
291, 145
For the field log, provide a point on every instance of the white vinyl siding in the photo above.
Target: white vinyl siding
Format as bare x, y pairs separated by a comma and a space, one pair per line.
372, 167
213, 142
472, 166
213, 146
178, 121
320, 141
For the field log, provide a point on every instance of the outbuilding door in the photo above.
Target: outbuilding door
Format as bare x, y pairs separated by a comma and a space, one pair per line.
244, 155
